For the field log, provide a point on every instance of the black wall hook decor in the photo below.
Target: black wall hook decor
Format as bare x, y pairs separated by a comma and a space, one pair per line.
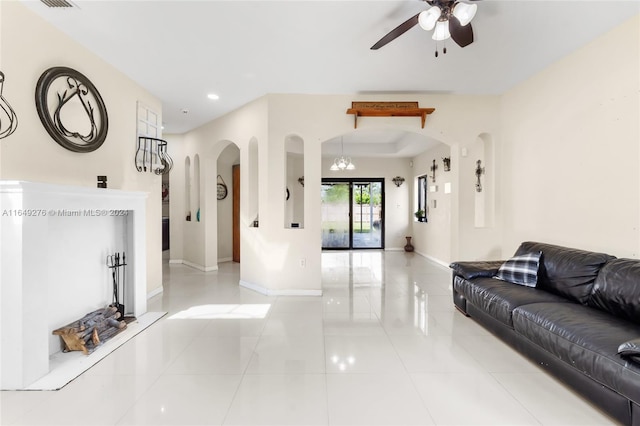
8, 117
61, 89
433, 169
479, 172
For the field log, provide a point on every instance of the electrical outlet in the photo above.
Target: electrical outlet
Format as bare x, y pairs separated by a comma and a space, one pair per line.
303, 262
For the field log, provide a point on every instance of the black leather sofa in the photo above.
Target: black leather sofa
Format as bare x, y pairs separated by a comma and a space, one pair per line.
581, 322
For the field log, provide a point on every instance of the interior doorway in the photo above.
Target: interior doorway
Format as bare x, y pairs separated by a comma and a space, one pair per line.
352, 213
236, 212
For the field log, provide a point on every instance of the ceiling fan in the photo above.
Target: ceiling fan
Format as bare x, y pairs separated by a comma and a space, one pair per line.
448, 19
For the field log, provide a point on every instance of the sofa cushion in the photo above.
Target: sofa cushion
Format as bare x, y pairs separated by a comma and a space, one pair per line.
500, 298
522, 270
617, 289
585, 338
566, 271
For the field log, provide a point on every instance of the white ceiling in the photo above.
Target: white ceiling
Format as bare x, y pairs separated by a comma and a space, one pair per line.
180, 51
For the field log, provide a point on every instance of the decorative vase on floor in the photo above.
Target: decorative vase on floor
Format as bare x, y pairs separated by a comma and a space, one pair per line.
408, 247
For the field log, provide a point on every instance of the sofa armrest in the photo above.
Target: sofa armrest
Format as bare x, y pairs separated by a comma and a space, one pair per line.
471, 270
630, 350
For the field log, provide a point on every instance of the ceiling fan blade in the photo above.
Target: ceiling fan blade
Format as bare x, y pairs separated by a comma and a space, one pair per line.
462, 35
397, 32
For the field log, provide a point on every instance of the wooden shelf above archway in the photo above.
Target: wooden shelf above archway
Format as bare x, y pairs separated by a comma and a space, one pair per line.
388, 109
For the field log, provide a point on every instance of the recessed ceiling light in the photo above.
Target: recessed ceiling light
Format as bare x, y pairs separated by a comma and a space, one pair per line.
213, 96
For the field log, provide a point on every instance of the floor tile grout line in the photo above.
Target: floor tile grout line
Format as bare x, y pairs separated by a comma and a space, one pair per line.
244, 371
513, 397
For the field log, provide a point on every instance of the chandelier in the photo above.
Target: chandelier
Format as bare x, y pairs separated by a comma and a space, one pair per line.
342, 162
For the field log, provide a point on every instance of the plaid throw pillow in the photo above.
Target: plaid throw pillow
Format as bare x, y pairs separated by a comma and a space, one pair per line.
521, 270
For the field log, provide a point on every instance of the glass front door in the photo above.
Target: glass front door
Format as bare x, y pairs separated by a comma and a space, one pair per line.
352, 213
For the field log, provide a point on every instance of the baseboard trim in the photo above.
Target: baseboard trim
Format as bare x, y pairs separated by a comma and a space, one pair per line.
225, 259
271, 292
434, 260
394, 249
179, 261
200, 267
155, 292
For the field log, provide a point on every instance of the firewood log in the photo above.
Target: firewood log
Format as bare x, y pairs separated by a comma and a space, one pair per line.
89, 331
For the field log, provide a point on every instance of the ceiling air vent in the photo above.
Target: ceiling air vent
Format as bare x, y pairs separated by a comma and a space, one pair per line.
57, 3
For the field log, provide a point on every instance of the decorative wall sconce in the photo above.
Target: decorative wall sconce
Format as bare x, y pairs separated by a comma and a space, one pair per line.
151, 156
398, 180
447, 163
10, 126
433, 169
301, 180
479, 172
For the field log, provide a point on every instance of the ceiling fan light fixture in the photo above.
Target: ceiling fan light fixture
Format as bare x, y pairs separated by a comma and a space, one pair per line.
350, 165
464, 12
442, 31
428, 18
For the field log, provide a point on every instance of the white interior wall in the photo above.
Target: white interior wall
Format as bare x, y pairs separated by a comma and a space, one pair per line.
433, 238
479, 241
570, 152
29, 47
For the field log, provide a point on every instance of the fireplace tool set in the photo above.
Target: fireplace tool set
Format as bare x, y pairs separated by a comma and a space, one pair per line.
117, 264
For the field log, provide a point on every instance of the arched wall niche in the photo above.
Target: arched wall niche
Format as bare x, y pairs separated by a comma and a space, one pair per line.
484, 202
187, 188
294, 187
253, 207
196, 187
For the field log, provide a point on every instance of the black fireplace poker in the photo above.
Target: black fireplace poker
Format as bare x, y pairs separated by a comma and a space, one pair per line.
117, 264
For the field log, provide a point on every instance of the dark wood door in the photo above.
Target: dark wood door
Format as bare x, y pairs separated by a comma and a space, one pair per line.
236, 213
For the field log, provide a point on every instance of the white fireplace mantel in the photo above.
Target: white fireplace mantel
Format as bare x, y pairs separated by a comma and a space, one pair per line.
54, 240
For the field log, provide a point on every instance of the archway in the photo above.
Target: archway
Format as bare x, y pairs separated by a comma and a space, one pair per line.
227, 161
378, 156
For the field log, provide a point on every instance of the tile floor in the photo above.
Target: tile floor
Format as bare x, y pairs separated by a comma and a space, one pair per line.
382, 346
